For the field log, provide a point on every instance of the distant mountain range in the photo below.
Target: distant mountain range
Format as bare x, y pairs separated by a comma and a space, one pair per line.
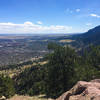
92, 36
87, 38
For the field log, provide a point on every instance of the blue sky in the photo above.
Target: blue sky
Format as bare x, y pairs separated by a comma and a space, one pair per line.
48, 16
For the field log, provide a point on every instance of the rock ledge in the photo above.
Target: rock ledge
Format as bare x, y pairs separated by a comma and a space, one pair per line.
83, 91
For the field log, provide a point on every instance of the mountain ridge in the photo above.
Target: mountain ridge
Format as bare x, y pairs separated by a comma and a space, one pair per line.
91, 37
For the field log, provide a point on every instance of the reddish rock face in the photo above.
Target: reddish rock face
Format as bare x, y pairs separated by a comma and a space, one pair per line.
83, 91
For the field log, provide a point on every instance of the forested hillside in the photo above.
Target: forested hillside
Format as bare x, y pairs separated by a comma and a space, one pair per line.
85, 39
64, 68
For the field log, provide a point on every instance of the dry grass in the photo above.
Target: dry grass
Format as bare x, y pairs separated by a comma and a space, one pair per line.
14, 72
66, 41
40, 97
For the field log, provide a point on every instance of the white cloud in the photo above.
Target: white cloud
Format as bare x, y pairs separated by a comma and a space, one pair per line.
29, 27
89, 24
78, 10
69, 10
28, 23
39, 22
95, 15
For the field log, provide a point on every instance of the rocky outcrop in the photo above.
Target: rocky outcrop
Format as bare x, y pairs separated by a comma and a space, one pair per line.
83, 91
3, 98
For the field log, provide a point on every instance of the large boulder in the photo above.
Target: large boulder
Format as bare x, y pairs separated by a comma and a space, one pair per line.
2, 98
83, 91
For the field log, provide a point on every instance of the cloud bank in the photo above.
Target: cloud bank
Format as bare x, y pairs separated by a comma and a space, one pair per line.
29, 27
